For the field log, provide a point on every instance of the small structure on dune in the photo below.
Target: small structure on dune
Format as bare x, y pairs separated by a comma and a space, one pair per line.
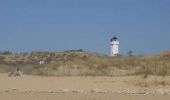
41, 62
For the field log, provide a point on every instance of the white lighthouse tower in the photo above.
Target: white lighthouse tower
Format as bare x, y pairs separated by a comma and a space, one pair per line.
114, 46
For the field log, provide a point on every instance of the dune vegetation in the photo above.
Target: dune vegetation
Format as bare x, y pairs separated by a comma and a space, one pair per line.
81, 63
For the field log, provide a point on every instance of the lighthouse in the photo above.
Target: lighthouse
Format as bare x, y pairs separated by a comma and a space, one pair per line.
114, 46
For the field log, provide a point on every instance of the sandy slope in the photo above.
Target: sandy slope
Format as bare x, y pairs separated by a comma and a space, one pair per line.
80, 88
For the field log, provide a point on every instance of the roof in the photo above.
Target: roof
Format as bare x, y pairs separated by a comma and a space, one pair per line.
113, 39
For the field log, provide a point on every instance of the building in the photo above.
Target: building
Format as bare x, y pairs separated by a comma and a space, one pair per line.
41, 62
114, 46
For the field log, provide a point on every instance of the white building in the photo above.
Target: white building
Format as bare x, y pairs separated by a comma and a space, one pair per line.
114, 46
41, 62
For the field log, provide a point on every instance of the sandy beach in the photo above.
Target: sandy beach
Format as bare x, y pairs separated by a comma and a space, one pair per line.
82, 88
77, 96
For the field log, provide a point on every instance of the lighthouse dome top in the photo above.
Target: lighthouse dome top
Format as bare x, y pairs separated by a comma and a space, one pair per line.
113, 39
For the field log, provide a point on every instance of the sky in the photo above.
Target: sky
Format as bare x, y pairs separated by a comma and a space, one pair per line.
142, 26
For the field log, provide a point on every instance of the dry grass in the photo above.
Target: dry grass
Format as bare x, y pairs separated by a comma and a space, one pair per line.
79, 63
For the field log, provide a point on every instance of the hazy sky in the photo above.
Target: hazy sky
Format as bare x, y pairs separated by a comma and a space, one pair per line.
142, 26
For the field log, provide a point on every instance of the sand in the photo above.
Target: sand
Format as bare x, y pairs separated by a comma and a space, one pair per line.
74, 96
80, 88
